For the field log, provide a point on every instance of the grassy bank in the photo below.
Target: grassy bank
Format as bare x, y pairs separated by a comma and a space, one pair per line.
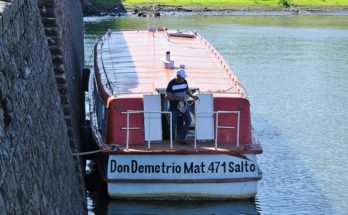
232, 3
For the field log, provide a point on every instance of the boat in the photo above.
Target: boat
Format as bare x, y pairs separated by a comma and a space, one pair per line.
139, 156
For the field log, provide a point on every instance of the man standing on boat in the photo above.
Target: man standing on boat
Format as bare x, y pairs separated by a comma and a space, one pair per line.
177, 91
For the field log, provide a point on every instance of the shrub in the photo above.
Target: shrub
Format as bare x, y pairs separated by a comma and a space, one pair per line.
286, 3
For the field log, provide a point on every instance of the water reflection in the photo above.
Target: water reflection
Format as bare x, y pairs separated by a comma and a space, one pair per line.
192, 208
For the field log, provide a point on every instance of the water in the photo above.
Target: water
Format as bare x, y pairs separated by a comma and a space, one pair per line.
295, 70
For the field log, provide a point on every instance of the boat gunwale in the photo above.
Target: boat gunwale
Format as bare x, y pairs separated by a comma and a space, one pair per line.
181, 152
184, 181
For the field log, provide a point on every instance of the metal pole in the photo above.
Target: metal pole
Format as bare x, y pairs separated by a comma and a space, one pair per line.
127, 140
238, 122
170, 129
149, 130
195, 144
216, 129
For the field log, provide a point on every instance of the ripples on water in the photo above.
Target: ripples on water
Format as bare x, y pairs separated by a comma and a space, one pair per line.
295, 70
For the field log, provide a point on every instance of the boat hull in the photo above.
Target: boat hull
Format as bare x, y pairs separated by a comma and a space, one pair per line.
183, 191
182, 176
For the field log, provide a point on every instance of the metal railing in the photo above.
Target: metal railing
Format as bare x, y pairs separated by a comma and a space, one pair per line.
217, 126
226, 127
149, 127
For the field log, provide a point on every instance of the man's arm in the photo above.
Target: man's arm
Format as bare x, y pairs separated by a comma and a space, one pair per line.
170, 96
188, 92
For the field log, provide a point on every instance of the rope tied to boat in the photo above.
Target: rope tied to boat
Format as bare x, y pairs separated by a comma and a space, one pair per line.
114, 147
182, 106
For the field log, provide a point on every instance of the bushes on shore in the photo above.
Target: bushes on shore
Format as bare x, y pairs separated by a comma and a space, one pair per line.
229, 3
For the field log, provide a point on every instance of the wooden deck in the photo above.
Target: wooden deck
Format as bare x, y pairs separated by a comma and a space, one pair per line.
163, 147
131, 64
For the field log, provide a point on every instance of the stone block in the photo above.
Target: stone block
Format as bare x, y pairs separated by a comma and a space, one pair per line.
14, 8
48, 12
51, 32
46, 2
2, 205
3, 87
63, 90
64, 100
61, 80
2, 130
20, 3
59, 69
0, 24
57, 59
6, 14
26, 72
49, 22
55, 50
17, 28
68, 122
70, 131
66, 110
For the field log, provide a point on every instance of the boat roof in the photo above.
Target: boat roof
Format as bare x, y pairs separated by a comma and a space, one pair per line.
132, 63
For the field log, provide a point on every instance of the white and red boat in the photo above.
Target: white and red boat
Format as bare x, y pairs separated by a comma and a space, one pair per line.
131, 123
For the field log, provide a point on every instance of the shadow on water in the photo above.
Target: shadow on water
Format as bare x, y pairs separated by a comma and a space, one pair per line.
99, 203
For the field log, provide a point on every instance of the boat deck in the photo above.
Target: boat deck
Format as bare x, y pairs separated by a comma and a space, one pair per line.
163, 147
131, 64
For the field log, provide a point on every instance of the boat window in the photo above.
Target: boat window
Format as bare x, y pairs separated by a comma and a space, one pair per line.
101, 115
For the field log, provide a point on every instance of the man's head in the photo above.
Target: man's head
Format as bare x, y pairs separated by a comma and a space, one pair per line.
181, 73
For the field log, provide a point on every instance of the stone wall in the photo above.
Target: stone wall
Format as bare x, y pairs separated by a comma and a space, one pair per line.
38, 174
65, 40
63, 22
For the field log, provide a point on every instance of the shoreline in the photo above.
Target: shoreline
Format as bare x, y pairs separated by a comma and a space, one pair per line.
91, 9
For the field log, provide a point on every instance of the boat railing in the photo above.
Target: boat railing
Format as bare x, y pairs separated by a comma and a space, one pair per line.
102, 42
128, 112
217, 126
166, 34
227, 67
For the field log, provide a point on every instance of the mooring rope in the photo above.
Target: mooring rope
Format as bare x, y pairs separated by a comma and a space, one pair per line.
113, 148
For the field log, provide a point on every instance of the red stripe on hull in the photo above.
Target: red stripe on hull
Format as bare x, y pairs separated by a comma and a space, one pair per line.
182, 181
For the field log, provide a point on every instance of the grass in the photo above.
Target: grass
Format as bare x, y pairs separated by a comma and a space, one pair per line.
232, 3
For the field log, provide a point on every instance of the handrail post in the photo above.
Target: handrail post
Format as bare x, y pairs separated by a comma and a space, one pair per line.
195, 143
238, 123
127, 140
170, 129
216, 129
149, 140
